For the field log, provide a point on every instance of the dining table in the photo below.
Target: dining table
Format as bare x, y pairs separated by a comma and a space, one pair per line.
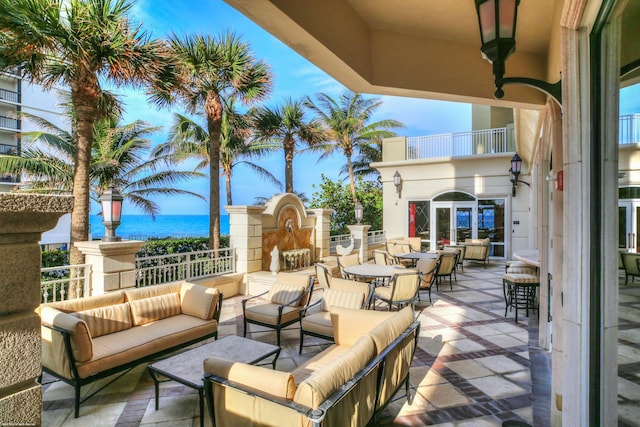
528, 256
414, 257
374, 271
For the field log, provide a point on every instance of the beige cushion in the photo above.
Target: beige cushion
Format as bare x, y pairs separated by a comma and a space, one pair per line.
155, 308
152, 291
268, 313
384, 333
349, 285
87, 303
106, 320
275, 383
293, 279
349, 325
198, 301
335, 298
135, 343
283, 293
521, 278
81, 342
326, 380
318, 323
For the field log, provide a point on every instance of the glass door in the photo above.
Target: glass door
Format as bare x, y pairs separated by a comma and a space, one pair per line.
453, 222
628, 225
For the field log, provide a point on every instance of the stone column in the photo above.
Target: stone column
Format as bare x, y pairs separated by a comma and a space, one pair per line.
245, 231
323, 231
360, 237
112, 264
23, 218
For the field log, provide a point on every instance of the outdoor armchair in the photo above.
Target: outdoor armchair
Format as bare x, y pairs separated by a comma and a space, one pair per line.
447, 267
347, 261
630, 266
402, 290
382, 257
461, 249
288, 294
395, 248
427, 269
322, 276
315, 319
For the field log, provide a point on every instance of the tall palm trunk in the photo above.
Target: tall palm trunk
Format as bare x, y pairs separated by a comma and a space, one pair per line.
86, 115
213, 110
352, 181
289, 146
227, 179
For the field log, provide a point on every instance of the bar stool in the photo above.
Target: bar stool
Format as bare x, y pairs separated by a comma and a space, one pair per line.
520, 291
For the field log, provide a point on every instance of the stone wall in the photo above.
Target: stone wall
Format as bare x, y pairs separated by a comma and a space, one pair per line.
23, 218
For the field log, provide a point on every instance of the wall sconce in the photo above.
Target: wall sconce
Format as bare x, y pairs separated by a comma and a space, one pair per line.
514, 173
397, 181
497, 20
359, 212
111, 201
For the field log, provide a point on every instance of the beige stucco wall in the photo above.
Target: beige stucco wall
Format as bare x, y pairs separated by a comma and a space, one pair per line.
482, 176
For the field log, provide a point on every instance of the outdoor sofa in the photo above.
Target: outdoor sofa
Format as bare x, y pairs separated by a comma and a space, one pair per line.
477, 250
347, 384
87, 339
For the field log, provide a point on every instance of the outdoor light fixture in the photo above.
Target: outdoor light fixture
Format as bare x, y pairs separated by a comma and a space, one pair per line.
397, 181
497, 20
514, 173
359, 212
111, 201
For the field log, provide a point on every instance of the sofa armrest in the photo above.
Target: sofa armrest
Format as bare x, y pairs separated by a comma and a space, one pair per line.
232, 403
80, 339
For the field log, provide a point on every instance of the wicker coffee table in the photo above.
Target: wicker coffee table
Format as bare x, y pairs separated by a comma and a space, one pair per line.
187, 367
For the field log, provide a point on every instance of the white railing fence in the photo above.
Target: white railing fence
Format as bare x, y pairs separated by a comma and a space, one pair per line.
65, 282
629, 129
155, 270
376, 237
485, 141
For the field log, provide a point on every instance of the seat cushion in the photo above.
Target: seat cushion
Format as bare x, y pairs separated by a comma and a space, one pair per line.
147, 310
268, 313
318, 323
521, 278
106, 320
383, 292
141, 341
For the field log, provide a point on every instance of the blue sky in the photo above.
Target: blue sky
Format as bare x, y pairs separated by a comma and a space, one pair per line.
293, 76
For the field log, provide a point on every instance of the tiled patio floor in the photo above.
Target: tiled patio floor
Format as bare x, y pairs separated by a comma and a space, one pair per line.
472, 368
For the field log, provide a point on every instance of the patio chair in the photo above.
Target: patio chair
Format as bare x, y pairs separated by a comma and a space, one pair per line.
395, 248
343, 293
447, 267
461, 250
381, 257
347, 261
322, 276
402, 290
630, 266
427, 269
288, 294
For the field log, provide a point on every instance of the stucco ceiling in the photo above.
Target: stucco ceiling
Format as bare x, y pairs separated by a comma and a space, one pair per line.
421, 48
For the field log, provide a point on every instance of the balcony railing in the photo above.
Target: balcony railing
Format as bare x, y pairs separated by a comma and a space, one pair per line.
65, 282
8, 123
498, 140
9, 95
373, 238
7, 149
486, 141
629, 129
155, 270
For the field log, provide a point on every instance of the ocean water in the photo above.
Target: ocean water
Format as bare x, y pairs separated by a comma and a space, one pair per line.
142, 227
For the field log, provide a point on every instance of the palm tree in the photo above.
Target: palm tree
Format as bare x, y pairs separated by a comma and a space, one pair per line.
118, 159
188, 139
76, 43
287, 125
347, 121
206, 73
368, 153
